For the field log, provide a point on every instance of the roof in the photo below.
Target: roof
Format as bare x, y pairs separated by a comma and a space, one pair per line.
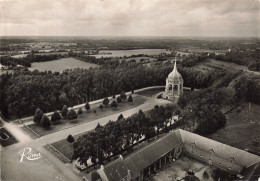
175, 76
142, 158
252, 172
116, 170
222, 150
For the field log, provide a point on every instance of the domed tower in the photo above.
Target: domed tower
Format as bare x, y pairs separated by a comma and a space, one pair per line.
174, 84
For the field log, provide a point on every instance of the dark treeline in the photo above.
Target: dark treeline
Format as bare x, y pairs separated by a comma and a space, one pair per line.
13, 62
247, 88
247, 58
26, 61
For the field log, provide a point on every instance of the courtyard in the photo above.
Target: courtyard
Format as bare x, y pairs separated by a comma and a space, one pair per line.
179, 168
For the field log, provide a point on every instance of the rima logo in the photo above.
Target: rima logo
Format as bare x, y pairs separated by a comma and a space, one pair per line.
27, 153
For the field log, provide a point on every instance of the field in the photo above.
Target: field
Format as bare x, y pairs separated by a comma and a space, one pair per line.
61, 64
5, 134
88, 116
52, 53
19, 56
239, 131
137, 59
122, 53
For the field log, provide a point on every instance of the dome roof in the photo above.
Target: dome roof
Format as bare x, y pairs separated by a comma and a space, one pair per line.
175, 76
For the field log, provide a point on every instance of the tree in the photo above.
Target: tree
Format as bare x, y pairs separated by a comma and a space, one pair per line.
45, 122
130, 98
106, 101
38, 116
79, 111
123, 95
72, 114
114, 104
101, 106
87, 106
55, 116
70, 139
64, 111
118, 99
120, 117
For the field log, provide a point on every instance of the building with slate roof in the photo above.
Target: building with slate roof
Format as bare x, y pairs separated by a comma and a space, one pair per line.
174, 85
142, 163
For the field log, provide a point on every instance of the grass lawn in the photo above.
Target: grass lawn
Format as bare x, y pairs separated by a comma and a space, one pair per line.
64, 147
88, 116
6, 138
239, 131
150, 92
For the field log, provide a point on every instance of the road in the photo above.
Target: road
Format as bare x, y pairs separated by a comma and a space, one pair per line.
48, 167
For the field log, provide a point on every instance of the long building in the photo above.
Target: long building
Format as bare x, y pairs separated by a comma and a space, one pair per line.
142, 163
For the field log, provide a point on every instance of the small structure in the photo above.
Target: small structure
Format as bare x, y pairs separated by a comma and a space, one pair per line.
174, 85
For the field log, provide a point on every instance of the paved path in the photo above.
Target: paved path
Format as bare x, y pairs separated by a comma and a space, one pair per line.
48, 167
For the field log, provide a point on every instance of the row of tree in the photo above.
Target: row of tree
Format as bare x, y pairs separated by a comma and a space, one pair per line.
118, 136
44, 121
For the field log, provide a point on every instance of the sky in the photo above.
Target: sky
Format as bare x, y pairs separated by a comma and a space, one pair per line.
130, 18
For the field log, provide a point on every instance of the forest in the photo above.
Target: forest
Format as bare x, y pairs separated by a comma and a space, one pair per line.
24, 91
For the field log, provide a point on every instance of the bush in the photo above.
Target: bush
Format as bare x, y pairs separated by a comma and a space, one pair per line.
55, 116
64, 111
45, 122
123, 95
38, 116
118, 99
87, 106
205, 175
70, 139
79, 111
101, 106
130, 98
106, 101
72, 114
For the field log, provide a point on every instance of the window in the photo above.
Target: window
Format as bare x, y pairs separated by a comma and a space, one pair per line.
175, 87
